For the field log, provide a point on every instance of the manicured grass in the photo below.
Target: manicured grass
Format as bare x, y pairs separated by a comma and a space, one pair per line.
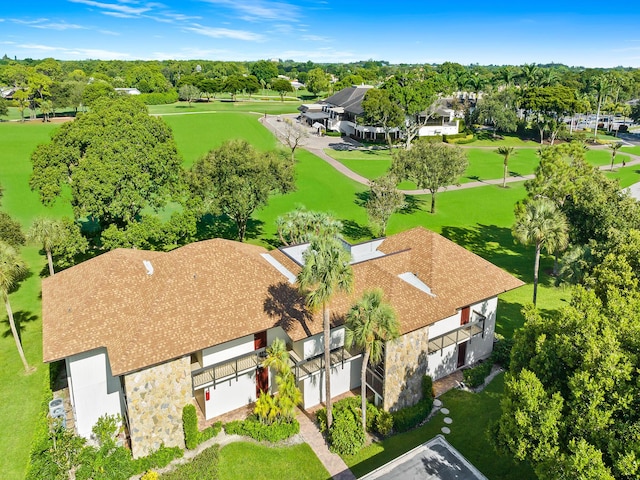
197, 134
22, 394
487, 164
632, 150
239, 461
271, 107
471, 413
485, 139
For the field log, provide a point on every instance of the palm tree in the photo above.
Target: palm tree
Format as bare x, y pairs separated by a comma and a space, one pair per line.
541, 224
46, 232
506, 152
12, 269
370, 324
326, 271
615, 146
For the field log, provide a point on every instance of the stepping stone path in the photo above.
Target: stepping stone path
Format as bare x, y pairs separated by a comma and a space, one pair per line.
445, 411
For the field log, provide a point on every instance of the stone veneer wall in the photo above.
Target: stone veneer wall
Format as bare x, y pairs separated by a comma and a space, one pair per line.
155, 398
405, 365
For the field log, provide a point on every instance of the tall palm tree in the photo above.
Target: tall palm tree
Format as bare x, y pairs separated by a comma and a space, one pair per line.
326, 271
600, 87
370, 324
615, 146
12, 269
506, 152
46, 232
541, 224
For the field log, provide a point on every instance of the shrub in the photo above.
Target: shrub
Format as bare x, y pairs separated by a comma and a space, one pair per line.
190, 426
204, 465
331, 133
150, 475
346, 436
384, 423
432, 139
158, 459
502, 351
427, 387
254, 428
410, 417
474, 377
159, 98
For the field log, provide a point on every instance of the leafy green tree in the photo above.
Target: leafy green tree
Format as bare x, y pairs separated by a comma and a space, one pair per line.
284, 403
380, 111
301, 225
264, 70
210, 87
11, 231
550, 105
498, 109
282, 86
384, 200
236, 179
326, 271
506, 152
317, 81
117, 160
4, 108
96, 91
12, 270
232, 85
431, 166
188, 93
71, 244
540, 224
293, 136
21, 98
250, 85
370, 323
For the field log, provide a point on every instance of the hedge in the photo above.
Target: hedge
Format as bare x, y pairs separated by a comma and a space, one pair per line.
254, 428
159, 98
193, 437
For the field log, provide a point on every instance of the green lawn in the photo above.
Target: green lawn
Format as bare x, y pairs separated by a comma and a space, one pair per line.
271, 107
240, 461
471, 413
485, 139
631, 150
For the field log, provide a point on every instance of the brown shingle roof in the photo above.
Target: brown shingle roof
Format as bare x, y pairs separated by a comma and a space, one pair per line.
210, 292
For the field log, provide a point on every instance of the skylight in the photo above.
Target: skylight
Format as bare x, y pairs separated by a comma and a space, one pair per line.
412, 279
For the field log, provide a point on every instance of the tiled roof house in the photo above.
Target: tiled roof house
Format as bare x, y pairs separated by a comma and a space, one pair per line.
144, 333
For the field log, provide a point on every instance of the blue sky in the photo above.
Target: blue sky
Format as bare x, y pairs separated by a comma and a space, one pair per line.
493, 32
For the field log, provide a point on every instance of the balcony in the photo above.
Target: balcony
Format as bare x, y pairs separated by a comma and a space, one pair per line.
459, 335
305, 368
231, 368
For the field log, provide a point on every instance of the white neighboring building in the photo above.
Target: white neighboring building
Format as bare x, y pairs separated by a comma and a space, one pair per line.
145, 333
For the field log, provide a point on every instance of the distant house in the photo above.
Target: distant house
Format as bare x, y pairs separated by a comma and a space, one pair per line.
144, 333
128, 91
340, 113
7, 92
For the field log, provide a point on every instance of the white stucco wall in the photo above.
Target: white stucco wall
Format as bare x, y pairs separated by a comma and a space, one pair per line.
225, 351
314, 345
93, 389
444, 362
230, 394
343, 379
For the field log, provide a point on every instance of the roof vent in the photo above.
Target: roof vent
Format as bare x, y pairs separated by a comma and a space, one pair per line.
148, 266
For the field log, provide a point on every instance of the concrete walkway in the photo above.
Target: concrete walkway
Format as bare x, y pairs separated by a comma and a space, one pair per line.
316, 145
331, 461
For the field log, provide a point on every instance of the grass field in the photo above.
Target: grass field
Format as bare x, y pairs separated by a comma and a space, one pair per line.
471, 413
478, 219
248, 461
271, 107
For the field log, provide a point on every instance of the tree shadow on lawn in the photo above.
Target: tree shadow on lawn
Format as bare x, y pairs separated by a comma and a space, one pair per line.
21, 317
510, 317
496, 245
355, 231
222, 226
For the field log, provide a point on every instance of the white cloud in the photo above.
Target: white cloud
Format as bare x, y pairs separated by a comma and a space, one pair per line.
257, 10
323, 55
46, 24
224, 33
80, 53
190, 54
116, 7
315, 38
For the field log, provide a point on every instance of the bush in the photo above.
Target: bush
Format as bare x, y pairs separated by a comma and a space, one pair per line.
466, 138
159, 98
474, 377
502, 351
346, 436
384, 423
158, 459
204, 465
150, 475
190, 426
254, 428
410, 417
427, 387
432, 139
331, 133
